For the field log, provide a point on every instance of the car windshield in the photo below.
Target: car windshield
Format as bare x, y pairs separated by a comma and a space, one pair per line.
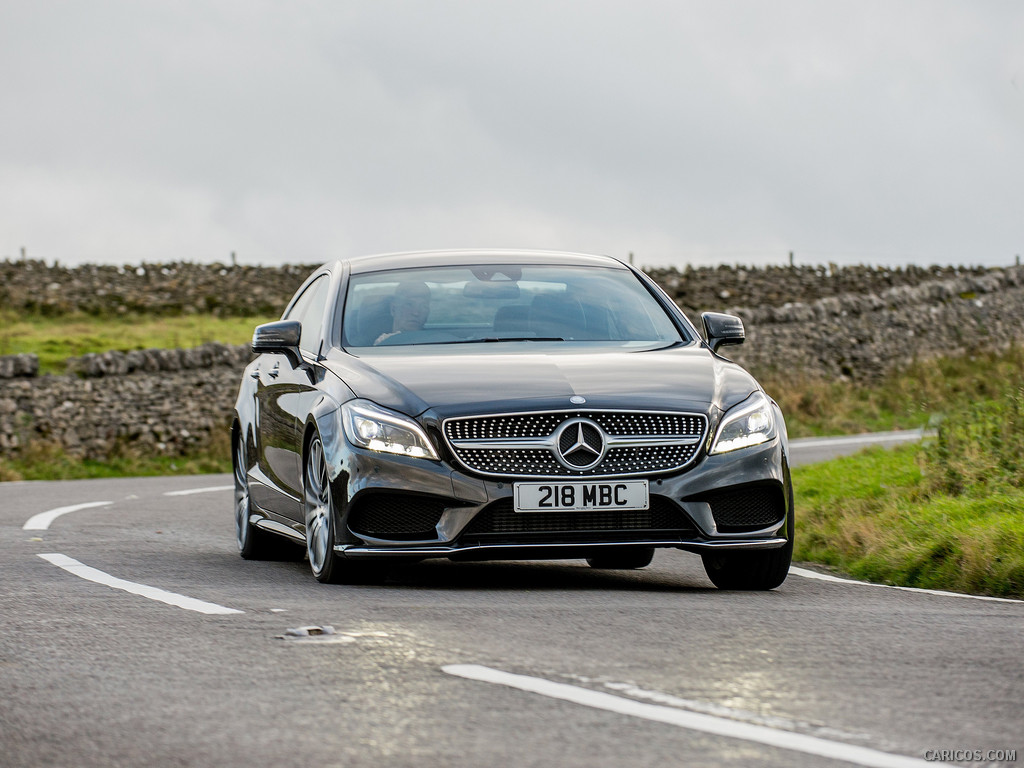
503, 303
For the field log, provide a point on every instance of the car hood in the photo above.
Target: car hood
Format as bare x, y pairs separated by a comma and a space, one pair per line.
486, 379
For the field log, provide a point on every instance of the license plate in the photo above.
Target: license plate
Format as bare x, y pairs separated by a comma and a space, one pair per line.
580, 496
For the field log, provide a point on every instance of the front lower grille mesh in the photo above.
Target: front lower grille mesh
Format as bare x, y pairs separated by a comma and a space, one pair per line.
501, 518
747, 509
396, 516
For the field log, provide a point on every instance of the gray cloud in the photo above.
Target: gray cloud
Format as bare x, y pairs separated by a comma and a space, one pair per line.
883, 132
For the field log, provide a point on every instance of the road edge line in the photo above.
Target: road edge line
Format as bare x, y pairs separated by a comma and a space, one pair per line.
807, 574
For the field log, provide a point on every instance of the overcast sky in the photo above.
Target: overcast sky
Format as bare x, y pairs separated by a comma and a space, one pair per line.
686, 132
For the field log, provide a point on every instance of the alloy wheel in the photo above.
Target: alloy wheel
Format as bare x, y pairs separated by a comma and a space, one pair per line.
241, 496
318, 507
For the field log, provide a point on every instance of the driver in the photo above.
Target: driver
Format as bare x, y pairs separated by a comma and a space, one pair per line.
409, 309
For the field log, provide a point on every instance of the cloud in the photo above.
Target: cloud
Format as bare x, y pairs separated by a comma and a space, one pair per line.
710, 131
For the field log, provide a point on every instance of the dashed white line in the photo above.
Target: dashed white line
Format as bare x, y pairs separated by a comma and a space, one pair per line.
826, 577
719, 726
210, 489
41, 522
83, 571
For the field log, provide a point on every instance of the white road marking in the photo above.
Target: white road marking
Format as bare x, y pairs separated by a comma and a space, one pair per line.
170, 598
41, 522
718, 710
719, 726
190, 491
826, 577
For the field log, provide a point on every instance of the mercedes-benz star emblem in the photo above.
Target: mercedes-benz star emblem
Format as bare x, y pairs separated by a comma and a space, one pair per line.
581, 444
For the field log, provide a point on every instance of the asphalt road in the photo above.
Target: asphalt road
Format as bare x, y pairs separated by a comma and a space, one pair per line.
527, 664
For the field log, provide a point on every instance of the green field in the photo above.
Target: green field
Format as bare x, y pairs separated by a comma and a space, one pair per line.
55, 339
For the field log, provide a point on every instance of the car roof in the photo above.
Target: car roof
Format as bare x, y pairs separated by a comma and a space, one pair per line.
412, 259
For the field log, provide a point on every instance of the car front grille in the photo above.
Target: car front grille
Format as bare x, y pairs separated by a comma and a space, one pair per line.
396, 516
540, 444
500, 522
747, 509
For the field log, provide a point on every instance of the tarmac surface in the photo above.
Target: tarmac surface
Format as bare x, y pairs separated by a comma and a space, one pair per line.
134, 635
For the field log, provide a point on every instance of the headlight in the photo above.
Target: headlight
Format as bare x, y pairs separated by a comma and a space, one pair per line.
752, 422
372, 427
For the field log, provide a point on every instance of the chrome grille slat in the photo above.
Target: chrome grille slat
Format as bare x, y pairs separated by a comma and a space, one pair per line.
523, 444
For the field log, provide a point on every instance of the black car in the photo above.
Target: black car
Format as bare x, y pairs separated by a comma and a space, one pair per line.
506, 405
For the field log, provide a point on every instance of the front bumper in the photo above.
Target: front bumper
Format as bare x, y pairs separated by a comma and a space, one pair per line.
694, 496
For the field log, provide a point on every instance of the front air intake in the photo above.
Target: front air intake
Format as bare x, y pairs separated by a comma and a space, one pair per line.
748, 508
396, 516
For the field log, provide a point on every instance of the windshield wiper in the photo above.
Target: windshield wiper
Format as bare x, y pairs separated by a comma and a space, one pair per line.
492, 339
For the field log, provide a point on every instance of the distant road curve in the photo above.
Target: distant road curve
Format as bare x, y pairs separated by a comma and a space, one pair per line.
809, 450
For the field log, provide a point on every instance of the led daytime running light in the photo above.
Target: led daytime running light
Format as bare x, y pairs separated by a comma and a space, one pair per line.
748, 424
374, 428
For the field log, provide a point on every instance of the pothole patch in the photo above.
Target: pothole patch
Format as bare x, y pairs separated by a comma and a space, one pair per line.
325, 634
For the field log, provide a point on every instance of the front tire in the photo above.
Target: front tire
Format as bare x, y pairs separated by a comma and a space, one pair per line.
758, 569
327, 565
319, 515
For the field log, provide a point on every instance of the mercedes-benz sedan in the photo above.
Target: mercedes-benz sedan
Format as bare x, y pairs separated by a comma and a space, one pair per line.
506, 405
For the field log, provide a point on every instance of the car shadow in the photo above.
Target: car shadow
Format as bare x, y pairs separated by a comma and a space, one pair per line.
535, 576
666, 574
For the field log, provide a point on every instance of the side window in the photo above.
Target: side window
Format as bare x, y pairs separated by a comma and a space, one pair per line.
295, 313
313, 315
309, 310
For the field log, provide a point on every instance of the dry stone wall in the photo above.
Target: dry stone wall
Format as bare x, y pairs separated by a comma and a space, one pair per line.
183, 287
165, 414
160, 289
825, 322
162, 401
864, 335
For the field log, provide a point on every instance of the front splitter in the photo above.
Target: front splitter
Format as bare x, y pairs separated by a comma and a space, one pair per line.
355, 551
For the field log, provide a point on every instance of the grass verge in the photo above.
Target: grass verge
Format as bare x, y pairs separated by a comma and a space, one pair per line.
917, 395
47, 461
879, 516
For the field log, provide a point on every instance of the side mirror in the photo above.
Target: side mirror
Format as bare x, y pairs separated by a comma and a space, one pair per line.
282, 336
721, 330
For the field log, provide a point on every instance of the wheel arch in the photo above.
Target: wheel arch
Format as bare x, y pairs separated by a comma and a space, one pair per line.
324, 419
236, 435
